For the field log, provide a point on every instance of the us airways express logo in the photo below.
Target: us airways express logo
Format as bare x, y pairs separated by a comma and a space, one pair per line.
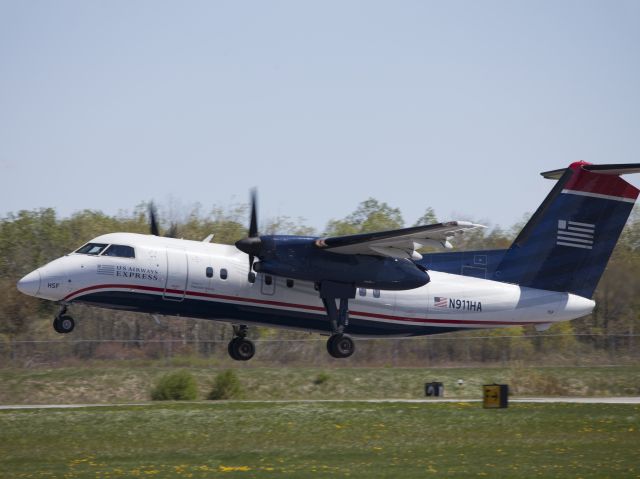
129, 272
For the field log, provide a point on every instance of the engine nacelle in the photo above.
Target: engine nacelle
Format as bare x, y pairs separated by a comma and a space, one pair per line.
298, 258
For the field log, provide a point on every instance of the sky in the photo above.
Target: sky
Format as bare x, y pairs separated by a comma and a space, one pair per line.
453, 105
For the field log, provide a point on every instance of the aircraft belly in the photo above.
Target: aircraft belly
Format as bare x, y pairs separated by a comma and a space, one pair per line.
246, 312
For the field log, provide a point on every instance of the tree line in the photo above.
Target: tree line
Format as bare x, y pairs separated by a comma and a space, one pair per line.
29, 239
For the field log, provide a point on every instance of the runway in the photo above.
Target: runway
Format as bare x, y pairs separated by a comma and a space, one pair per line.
547, 400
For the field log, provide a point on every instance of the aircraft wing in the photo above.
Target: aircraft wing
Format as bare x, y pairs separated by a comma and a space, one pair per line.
401, 243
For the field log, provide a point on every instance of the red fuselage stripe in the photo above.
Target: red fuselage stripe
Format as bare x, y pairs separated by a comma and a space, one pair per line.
283, 304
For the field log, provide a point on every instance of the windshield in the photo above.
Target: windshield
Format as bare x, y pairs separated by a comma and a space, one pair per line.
92, 248
120, 251
102, 249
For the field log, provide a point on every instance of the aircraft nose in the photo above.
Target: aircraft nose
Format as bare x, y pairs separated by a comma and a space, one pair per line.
30, 284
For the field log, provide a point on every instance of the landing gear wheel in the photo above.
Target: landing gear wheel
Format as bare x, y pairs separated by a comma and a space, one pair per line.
231, 349
340, 346
56, 325
241, 349
63, 324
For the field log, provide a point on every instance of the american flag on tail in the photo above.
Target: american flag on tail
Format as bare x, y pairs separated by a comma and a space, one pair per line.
575, 234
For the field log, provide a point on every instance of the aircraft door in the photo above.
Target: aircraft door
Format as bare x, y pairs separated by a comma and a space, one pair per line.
177, 273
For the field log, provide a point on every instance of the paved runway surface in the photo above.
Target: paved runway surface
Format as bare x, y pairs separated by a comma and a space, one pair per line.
574, 400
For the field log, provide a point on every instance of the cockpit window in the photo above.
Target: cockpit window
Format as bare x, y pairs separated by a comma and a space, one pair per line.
92, 248
120, 251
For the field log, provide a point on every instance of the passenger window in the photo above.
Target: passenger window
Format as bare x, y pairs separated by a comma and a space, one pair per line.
209, 272
376, 293
362, 291
268, 280
120, 251
289, 283
92, 248
223, 273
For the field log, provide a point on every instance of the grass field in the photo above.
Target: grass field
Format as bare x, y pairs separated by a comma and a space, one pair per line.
128, 381
372, 440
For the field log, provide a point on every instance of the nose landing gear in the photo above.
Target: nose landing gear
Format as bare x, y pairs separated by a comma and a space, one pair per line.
63, 323
240, 348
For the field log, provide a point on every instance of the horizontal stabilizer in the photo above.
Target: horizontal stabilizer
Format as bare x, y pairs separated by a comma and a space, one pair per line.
613, 169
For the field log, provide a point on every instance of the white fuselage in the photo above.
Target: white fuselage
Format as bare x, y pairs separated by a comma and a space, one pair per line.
187, 278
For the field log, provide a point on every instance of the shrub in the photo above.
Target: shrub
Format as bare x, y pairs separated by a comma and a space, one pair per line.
321, 378
178, 385
225, 386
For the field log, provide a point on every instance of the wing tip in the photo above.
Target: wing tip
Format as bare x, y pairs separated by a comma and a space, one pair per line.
464, 224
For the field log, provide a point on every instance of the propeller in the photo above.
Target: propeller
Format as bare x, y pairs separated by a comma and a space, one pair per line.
154, 226
252, 244
153, 220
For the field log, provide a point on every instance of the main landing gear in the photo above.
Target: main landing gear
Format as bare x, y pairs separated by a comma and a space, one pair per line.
339, 345
240, 348
335, 297
63, 323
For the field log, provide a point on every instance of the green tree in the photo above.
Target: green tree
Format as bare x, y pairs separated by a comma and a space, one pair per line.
370, 216
428, 218
557, 341
285, 225
630, 237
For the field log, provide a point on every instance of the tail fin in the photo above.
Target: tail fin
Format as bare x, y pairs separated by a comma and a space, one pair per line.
567, 243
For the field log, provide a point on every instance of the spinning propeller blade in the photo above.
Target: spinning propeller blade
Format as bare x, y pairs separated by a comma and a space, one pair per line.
153, 221
252, 244
154, 226
253, 225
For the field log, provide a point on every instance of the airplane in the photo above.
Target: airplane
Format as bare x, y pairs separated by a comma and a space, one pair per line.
368, 285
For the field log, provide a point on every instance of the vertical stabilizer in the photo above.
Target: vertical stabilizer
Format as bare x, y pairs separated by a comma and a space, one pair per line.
567, 243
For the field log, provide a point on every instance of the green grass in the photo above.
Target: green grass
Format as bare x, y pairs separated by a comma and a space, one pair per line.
130, 382
368, 440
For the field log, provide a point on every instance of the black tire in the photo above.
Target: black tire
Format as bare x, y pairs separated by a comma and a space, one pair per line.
242, 349
56, 326
330, 344
340, 346
231, 349
64, 324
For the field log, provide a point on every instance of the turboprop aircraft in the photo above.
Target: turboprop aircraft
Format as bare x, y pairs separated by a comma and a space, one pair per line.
372, 284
